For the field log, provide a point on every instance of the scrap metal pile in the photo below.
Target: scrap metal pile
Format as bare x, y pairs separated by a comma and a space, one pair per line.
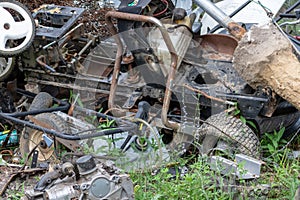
93, 18
149, 93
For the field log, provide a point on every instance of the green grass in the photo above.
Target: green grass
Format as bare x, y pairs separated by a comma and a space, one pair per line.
280, 172
199, 183
203, 183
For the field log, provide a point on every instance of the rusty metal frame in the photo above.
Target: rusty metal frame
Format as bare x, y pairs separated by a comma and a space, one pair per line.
174, 58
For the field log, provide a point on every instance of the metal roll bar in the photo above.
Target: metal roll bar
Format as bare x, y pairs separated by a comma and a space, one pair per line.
174, 58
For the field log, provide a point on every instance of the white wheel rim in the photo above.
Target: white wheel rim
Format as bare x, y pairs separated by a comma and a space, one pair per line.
5, 65
12, 30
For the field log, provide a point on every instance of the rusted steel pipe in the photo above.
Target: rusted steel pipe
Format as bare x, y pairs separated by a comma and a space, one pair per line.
117, 66
174, 58
42, 61
224, 20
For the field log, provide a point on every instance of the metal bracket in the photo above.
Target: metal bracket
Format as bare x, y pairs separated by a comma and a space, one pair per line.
245, 167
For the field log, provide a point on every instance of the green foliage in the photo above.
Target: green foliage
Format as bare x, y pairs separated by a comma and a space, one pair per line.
93, 119
272, 142
87, 149
203, 183
289, 3
18, 193
283, 178
291, 29
107, 124
75, 97
199, 183
279, 171
237, 112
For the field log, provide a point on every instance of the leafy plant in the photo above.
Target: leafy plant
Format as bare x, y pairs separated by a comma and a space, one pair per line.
237, 112
199, 183
93, 119
106, 124
74, 98
271, 142
18, 193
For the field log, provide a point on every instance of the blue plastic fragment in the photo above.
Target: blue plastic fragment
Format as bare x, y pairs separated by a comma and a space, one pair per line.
13, 139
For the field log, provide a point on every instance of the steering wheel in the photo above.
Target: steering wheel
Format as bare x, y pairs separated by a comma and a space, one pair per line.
17, 28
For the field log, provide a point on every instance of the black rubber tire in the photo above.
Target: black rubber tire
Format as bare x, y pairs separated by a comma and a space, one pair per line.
52, 120
19, 51
232, 130
42, 100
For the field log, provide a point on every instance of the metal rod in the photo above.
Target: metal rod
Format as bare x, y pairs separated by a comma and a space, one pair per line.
85, 47
117, 65
288, 10
63, 37
224, 20
174, 58
64, 106
129, 126
232, 15
67, 136
41, 60
214, 12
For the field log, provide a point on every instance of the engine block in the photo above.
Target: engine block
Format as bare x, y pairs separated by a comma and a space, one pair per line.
88, 178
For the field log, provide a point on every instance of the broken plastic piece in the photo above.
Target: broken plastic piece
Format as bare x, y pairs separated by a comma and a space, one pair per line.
47, 140
13, 139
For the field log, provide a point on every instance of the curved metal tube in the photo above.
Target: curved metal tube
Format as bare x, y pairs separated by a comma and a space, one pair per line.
117, 66
174, 58
66, 135
63, 106
41, 60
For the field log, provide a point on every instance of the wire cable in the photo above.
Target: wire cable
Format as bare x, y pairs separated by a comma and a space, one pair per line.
166, 8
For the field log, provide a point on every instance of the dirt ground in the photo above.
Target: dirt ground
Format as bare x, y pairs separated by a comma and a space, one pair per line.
20, 183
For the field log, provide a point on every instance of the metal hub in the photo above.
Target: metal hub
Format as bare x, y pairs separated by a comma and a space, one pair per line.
45, 152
